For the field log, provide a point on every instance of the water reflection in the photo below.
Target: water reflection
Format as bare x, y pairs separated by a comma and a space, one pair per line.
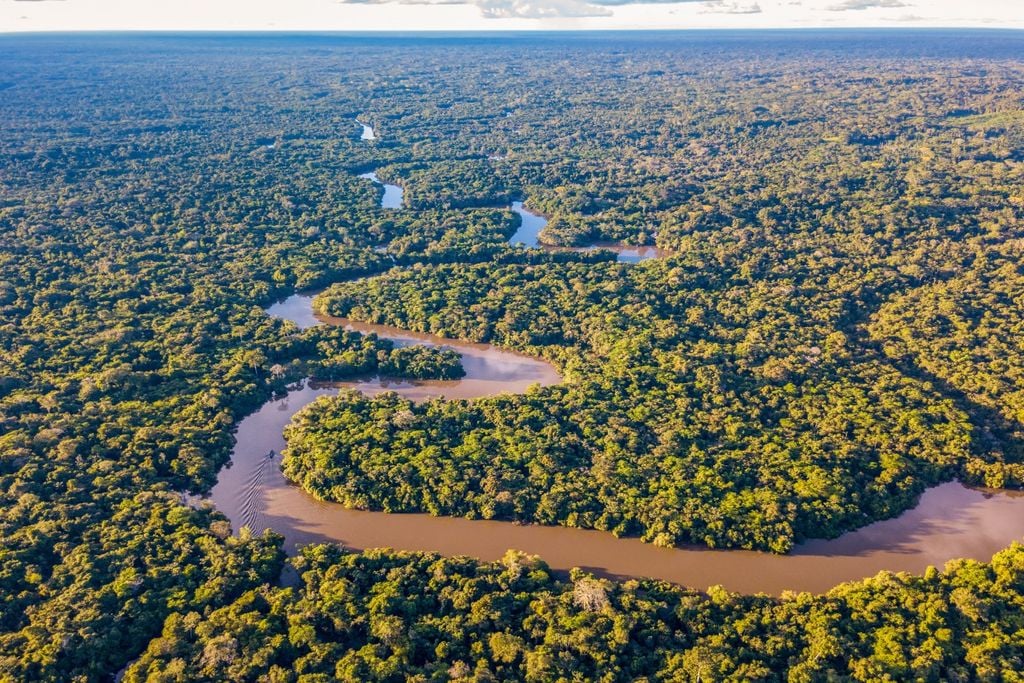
531, 225
950, 521
392, 198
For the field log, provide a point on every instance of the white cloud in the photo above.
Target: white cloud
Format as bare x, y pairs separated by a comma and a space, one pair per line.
539, 9
535, 9
856, 5
643, 2
436, 15
730, 7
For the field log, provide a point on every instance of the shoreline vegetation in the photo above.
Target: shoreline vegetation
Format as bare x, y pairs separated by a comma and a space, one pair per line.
949, 520
458, 619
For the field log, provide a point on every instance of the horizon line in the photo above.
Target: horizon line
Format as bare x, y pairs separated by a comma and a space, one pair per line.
486, 31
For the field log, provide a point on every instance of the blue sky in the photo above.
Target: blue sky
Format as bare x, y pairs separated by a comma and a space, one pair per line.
348, 15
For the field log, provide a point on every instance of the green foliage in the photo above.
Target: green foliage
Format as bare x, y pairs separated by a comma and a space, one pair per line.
333, 353
769, 382
967, 335
390, 616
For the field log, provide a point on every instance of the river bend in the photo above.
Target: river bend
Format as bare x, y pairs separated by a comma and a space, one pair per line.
950, 521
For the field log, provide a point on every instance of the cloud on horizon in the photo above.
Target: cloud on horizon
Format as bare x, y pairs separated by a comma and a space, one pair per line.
730, 7
539, 9
857, 5
568, 9
484, 14
546, 9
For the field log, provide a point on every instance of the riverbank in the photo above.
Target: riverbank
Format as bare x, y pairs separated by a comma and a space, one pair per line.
950, 521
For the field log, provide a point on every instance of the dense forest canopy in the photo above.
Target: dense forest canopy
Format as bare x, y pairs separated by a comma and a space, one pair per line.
412, 616
836, 328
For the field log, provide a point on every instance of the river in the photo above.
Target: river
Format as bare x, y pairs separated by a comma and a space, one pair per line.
950, 521
392, 197
531, 224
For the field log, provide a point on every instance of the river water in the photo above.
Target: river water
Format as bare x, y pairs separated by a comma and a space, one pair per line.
531, 224
950, 521
367, 133
392, 198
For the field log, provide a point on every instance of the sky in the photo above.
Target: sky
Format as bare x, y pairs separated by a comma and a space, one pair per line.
406, 15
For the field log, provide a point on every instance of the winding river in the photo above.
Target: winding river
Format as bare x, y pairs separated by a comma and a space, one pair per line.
950, 520
530, 226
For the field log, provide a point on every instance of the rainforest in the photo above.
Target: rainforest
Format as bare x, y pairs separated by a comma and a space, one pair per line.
379, 357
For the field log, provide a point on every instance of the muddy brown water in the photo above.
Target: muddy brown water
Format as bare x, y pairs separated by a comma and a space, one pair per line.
950, 520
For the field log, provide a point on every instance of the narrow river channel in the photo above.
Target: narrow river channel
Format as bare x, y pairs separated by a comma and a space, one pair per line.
531, 224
